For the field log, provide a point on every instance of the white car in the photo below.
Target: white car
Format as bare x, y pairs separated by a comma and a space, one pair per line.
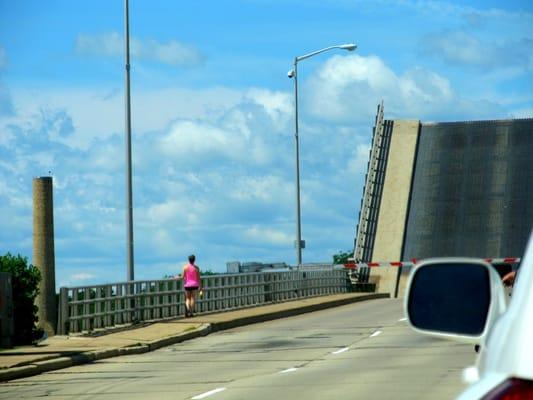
464, 299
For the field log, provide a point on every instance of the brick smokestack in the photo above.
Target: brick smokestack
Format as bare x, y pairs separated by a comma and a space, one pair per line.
43, 252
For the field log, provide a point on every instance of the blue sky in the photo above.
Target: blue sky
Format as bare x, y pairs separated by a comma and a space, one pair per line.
212, 115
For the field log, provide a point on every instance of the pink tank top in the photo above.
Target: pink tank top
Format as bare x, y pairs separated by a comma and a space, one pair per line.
191, 276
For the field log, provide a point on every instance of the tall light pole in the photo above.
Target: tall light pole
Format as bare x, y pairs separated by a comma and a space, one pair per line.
293, 73
129, 205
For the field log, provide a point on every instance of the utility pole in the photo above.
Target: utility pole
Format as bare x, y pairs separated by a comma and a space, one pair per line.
129, 205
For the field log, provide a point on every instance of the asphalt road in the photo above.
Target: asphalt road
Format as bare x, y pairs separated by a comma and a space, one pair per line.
363, 350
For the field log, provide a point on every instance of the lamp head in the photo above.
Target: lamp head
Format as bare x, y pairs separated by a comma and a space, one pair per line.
349, 46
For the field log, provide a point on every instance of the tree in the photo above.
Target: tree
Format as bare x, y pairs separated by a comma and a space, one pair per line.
25, 284
342, 257
209, 272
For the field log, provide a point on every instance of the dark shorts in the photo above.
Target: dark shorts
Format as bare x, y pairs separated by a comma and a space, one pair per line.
191, 288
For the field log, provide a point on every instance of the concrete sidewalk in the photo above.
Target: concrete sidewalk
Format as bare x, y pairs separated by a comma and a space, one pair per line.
64, 351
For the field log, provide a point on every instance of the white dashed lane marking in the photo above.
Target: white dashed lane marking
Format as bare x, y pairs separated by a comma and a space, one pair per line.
375, 334
341, 350
207, 394
402, 319
288, 370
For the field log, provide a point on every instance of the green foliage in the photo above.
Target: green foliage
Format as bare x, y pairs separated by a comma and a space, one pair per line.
342, 257
208, 272
25, 284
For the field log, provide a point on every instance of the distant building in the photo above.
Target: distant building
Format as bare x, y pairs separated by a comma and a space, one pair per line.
447, 189
236, 267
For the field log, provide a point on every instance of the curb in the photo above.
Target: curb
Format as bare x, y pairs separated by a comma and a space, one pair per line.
19, 372
39, 367
235, 323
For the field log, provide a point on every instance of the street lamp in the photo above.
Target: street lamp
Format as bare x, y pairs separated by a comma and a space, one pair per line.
129, 203
293, 73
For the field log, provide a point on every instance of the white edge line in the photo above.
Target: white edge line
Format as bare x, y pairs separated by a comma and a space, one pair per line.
341, 350
288, 370
402, 319
207, 394
376, 333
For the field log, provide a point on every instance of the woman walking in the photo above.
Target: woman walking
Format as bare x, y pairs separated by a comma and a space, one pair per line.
191, 283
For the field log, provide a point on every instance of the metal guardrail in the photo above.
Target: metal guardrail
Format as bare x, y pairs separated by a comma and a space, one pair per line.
373, 188
90, 308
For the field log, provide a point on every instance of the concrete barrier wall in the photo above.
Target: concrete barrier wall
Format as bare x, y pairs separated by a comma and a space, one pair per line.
385, 279
392, 280
396, 190
402, 284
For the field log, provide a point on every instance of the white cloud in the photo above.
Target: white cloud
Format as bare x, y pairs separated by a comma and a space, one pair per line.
172, 52
81, 277
243, 134
112, 44
266, 189
6, 103
164, 241
83, 271
523, 113
94, 114
359, 159
262, 235
107, 44
188, 140
347, 88
465, 48
184, 212
459, 47
457, 10
278, 105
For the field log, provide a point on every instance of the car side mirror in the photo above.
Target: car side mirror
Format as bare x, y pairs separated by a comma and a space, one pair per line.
454, 298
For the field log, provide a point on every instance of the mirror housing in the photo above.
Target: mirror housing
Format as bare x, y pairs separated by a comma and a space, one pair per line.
454, 298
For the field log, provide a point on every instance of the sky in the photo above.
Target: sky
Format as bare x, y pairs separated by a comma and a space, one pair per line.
213, 118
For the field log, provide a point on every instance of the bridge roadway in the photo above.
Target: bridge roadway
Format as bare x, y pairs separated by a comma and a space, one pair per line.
362, 350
